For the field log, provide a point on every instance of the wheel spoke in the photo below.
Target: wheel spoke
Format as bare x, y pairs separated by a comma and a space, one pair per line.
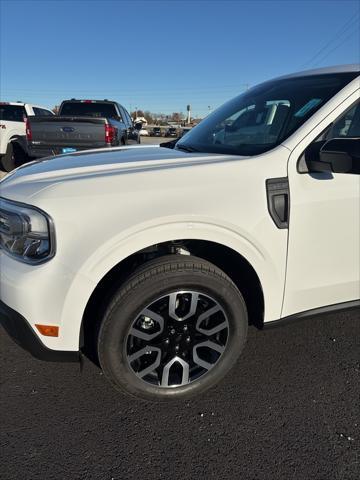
208, 344
173, 298
145, 351
177, 339
166, 372
206, 315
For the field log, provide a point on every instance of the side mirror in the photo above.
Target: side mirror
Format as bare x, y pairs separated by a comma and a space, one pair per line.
339, 155
138, 126
230, 128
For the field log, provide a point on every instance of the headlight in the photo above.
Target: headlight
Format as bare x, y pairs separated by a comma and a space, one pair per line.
26, 233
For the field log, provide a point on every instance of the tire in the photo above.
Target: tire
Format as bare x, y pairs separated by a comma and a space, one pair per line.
193, 287
14, 157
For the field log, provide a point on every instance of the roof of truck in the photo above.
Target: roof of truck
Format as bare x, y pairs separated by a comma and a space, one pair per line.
355, 67
22, 104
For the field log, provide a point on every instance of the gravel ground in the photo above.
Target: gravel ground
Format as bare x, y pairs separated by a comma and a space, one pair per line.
288, 410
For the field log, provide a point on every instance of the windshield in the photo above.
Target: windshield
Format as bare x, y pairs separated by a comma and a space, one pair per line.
12, 113
84, 109
264, 116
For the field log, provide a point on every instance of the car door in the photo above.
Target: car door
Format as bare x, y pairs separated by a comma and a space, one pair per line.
323, 265
132, 133
121, 126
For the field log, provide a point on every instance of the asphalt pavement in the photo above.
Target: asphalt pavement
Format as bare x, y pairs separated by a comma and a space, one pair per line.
288, 410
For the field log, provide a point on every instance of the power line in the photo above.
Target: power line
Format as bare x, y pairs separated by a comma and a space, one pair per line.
339, 33
336, 47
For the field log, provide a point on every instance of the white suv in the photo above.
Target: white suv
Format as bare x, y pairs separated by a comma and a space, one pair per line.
13, 146
157, 259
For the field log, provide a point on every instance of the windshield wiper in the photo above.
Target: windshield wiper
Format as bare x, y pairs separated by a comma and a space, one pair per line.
186, 148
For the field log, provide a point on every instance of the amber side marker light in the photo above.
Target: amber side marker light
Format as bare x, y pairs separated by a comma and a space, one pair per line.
48, 330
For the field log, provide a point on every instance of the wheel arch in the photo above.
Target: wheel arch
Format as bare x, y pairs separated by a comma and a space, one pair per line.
20, 140
234, 264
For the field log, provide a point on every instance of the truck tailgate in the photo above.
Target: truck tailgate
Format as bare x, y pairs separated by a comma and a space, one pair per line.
74, 132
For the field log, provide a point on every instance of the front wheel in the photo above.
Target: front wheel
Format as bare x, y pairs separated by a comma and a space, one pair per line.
173, 330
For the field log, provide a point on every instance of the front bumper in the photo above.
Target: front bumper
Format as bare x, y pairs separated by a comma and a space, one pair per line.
46, 294
20, 331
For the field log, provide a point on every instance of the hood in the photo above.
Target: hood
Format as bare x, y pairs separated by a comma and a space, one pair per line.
30, 179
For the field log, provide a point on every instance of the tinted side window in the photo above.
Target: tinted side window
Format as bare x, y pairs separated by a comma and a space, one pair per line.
41, 111
12, 113
128, 117
348, 125
46, 112
122, 115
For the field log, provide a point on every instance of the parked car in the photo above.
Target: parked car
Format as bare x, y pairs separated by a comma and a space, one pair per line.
81, 125
13, 147
171, 132
156, 132
157, 259
144, 133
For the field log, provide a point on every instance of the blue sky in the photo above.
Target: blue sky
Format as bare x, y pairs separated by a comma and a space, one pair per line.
162, 55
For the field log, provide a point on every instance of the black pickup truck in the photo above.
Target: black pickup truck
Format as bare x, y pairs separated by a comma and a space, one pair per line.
81, 125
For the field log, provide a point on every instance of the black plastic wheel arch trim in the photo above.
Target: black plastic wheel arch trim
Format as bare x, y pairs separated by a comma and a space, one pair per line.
18, 328
278, 200
354, 304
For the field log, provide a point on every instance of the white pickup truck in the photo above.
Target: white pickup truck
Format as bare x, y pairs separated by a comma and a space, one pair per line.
157, 259
13, 145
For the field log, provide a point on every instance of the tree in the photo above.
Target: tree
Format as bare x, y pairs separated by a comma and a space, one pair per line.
149, 116
177, 117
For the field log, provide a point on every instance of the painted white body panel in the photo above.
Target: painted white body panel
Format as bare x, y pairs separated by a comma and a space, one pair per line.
10, 130
323, 266
109, 205
114, 209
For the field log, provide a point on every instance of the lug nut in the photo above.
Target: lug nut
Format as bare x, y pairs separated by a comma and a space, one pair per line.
185, 328
177, 348
167, 341
188, 339
147, 323
172, 331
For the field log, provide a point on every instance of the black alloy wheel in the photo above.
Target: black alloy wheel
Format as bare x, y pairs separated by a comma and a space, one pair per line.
177, 339
173, 330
